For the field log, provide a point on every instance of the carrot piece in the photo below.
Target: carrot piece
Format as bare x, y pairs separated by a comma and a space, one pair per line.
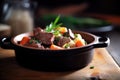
55, 47
24, 40
63, 30
79, 43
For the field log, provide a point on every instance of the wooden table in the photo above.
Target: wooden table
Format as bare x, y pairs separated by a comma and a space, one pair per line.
103, 67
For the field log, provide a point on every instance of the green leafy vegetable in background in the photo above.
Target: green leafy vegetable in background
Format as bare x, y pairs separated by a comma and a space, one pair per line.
76, 22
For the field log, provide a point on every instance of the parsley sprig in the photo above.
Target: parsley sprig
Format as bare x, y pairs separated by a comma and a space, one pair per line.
53, 26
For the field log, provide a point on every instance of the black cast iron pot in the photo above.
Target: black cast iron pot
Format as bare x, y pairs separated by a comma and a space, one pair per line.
55, 60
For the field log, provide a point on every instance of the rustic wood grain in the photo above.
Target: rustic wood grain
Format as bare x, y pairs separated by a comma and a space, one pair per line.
104, 67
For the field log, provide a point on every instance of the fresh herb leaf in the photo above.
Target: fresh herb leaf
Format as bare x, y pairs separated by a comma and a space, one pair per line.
33, 40
53, 25
91, 67
66, 45
56, 20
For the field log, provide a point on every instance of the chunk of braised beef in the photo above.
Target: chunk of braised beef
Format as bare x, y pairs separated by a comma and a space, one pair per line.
37, 30
56, 40
44, 37
63, 40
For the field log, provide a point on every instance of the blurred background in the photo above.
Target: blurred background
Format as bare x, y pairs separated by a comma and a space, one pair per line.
70, 6
97, 6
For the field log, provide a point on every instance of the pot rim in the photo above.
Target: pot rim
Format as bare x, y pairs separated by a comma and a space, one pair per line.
32, 48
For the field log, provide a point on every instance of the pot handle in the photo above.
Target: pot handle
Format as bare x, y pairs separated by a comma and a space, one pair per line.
5, 43
102, 42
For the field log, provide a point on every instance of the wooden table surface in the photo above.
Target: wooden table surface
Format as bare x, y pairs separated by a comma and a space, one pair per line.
104, 67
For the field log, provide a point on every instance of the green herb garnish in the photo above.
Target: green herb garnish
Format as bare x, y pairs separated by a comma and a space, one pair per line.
33, 40
66, 45
91, 67
53, 26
